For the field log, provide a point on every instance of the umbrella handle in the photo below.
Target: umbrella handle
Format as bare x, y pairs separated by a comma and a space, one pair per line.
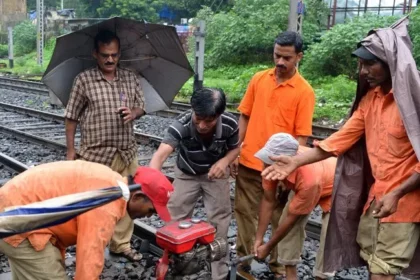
134, 187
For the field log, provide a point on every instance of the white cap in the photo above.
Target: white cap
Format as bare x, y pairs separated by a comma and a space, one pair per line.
278, 144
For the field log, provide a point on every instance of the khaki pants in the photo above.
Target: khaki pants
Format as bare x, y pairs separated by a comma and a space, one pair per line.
291, 246
387, 247
120, 241
248, 194
216, 198
319, 263
28, 264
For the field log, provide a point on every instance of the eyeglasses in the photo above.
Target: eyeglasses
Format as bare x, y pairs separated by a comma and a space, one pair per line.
113, 55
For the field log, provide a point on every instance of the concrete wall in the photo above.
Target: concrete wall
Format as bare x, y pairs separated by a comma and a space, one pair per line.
11, 13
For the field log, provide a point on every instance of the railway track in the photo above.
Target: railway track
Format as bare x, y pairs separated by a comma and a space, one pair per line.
40, 128
319, 132
37, 126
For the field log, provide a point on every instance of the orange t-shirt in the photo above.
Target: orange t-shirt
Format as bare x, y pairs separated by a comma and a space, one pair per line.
272, 108
390, 152
91, 231
312, 185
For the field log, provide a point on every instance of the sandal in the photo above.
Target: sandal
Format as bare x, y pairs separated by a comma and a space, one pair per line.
131, 255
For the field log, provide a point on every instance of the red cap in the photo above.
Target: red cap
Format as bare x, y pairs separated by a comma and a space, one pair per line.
157, 188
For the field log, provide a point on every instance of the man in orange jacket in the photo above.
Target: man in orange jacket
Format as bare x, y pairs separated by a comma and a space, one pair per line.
40, 254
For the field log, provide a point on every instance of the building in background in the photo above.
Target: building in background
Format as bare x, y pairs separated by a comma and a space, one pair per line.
346, 9
11, 13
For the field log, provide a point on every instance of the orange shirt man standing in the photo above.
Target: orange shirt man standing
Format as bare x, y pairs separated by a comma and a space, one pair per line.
277, 100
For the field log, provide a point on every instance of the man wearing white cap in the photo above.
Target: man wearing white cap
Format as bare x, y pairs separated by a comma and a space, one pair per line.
309, 185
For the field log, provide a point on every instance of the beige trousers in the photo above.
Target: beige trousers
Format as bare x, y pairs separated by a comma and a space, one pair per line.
216, 198
28, 264
248, 194
120, 241
387, 247
291, 246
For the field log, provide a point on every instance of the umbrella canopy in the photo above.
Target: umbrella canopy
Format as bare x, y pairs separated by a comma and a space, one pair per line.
153, 51
58, 210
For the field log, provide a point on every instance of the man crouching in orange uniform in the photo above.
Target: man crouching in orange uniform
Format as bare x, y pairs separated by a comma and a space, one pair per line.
39, 254
309, 186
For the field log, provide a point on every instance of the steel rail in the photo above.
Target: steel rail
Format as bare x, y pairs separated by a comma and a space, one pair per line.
313, 227
177, 108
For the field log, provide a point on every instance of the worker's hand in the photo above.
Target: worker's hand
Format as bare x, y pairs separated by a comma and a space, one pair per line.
71, 154
129, 116
218, 170
283, 167
234, 168
257, 243
262, 252
386, 206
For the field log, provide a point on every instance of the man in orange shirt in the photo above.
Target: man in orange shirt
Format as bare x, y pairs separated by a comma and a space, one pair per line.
277, 100
309, 185
387, 244
40, 254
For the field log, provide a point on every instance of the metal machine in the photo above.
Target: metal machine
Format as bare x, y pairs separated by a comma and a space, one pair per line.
189, 248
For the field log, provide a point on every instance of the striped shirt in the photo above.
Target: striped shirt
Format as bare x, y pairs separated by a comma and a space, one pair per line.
195, 158
94, 102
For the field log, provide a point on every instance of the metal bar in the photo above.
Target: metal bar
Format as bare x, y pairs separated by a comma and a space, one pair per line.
40, 30
199, 55
393, 8
334, 12
10, 37
12, 164
32, 138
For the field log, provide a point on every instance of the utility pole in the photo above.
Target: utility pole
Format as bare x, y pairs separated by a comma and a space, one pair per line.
62, 4
292, 25
199, 55
300, 11
10, 33
296, 11
40, 31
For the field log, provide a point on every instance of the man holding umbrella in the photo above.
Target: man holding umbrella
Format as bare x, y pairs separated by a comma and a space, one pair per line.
39, 254
106, 100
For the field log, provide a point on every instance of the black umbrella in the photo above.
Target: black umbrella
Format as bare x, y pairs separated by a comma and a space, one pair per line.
154, 51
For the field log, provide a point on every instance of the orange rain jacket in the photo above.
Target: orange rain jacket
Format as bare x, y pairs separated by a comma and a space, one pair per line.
91, 231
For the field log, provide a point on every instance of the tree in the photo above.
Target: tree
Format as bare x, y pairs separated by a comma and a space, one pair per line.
414, 28
24, 36
332, 56
31, 4
246, 33
135, 9
189, 8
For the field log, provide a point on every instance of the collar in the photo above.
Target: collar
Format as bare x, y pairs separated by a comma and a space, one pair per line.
100, 75
291, 82
219, 127
378, 91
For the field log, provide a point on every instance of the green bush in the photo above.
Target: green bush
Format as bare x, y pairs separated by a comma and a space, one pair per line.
246, 33
332, 56
232, 79
24, 38
4, 50
334, 96
414, 28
